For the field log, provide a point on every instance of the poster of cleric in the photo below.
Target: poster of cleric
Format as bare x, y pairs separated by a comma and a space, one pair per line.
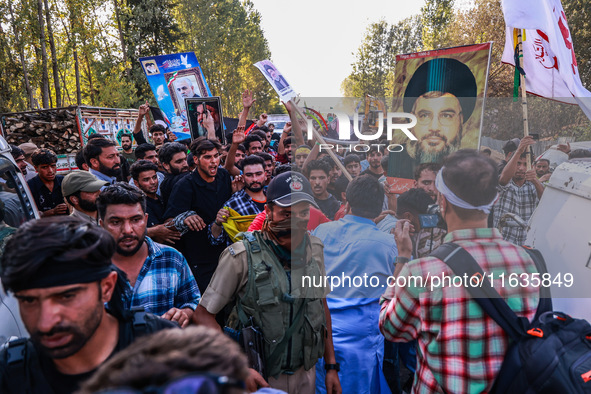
445, 90
173, 78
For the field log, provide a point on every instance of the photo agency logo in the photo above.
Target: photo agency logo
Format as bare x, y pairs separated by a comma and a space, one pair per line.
362, 134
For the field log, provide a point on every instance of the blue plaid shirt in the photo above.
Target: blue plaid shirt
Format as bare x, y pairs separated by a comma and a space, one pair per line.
165, 281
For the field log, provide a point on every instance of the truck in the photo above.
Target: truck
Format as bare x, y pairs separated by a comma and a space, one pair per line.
66, 130
560, 228
14, 187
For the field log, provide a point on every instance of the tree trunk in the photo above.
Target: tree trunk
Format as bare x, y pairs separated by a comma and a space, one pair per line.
56, 80
77, 71
44, 73
121, 37
21, 56
89, 76
73, 40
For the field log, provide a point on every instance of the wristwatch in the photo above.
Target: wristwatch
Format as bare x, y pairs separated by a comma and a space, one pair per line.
336, 367
401, 260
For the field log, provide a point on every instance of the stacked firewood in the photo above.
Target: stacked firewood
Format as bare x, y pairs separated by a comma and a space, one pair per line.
54, 129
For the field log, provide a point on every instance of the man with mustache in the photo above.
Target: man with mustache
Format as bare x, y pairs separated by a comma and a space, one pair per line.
126, 145
46, 186
194, 203
374, 158
173, 158
264, 276
318, 173
520, 191
248, 201
71, 301
144, 173
81, 189
159, 275
103, 159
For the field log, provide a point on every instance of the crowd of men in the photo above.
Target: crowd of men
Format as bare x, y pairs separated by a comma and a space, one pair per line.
139, 240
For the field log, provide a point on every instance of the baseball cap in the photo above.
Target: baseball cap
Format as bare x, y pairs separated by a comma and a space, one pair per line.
81, 181
28, 148
290, 188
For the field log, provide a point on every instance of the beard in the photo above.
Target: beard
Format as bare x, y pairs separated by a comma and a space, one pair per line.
427, 154
80, 334
109, 171
254, 187
130, 252
126, 146
88, 206
178, 171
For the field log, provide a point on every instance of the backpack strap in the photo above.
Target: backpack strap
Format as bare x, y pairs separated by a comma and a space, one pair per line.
17, 354
545, 304
254, 244
20, 363
461, 263
138, 319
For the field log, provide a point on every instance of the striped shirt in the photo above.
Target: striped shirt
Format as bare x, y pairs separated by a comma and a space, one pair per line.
460, 348
165, 281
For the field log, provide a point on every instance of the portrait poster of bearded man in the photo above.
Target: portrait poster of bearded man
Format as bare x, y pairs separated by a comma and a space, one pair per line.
445, 90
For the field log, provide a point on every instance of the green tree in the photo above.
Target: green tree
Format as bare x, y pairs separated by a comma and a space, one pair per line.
227, 39
436, 16
149, 30
373, 70
482, 23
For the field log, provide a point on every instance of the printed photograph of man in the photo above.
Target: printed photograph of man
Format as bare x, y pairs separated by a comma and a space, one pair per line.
278, 80
151, 67
185, 88
442, 95
197, 113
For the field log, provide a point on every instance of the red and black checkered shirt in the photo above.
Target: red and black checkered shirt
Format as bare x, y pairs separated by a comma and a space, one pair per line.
460, 348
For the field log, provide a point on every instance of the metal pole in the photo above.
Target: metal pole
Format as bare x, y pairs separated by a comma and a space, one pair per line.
523, 97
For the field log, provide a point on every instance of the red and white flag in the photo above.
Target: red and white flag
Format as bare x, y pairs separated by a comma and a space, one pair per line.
549, 58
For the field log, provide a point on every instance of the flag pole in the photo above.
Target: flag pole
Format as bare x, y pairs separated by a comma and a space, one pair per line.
523, 97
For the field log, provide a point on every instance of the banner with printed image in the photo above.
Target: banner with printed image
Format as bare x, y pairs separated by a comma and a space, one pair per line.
445, 89
173, 78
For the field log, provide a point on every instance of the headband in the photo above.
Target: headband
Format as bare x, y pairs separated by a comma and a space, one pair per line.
63, 273
457, 201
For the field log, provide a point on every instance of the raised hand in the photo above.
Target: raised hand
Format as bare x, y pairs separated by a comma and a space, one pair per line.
247, 100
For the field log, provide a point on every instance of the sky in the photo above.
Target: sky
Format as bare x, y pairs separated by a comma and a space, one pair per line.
313, 42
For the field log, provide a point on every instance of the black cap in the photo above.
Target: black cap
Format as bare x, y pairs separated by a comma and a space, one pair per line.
443, 75
290, 188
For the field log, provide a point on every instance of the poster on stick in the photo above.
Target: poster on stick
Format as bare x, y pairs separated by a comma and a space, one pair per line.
445, 90
276, 79
173, 78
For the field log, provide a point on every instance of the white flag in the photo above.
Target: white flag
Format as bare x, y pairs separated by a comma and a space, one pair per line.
548, 53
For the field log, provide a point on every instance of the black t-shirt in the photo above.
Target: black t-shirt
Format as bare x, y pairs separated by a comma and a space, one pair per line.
329, 207
192, 193
259, 205
44, 376
168, 184
44, 198
125, 172
155, 209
